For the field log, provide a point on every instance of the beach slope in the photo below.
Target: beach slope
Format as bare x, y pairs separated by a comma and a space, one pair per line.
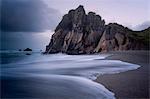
130, 84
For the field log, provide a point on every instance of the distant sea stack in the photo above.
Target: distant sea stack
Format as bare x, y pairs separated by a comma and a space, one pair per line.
81, 33
27, 49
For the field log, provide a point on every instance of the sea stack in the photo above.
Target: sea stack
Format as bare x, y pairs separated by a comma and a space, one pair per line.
81, 33
27, 49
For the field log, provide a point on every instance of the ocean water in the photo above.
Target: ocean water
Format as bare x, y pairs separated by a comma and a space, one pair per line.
57, 76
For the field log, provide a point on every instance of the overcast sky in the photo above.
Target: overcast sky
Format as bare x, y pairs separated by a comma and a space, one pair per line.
24, 22
126, 12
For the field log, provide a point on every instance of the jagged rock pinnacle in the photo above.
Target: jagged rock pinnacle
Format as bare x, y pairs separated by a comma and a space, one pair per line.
81, 33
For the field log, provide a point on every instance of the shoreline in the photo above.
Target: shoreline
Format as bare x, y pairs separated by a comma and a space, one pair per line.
132, 83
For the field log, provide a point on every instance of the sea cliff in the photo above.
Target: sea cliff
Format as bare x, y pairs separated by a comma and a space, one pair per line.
81, 33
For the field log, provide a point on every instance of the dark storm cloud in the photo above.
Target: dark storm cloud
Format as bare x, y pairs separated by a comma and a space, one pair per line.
27, 16
22, 40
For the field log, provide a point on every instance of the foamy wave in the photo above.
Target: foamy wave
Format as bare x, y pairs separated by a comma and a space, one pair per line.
69, 68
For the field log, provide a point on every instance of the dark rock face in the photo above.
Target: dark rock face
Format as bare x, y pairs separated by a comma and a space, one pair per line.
116, 37
81, 33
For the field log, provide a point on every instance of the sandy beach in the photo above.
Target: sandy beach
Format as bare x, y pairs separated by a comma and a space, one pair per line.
132, 84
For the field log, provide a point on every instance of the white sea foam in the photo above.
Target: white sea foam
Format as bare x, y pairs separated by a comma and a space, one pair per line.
69, 68
83, 65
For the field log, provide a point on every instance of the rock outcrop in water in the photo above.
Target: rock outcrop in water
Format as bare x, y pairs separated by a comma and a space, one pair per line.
27, 49
81, 33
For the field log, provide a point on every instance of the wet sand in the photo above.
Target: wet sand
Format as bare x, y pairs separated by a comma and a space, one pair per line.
132, 84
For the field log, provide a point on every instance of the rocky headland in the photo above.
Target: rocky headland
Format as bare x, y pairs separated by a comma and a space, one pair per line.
81, 33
